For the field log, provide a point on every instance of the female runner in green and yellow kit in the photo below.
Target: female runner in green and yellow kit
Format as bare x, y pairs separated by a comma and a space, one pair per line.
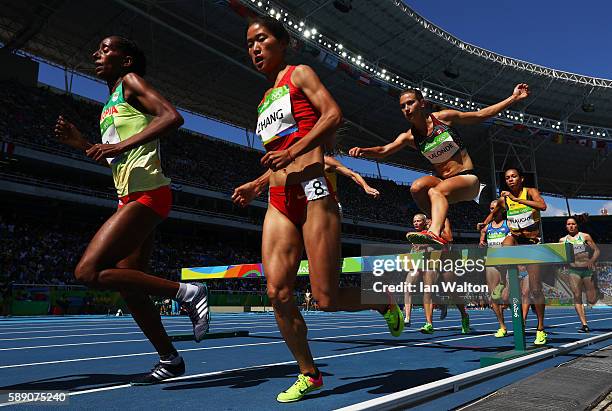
580, 272
117, 258
522, 206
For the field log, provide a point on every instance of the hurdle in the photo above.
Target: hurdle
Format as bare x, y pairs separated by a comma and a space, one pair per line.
509, 257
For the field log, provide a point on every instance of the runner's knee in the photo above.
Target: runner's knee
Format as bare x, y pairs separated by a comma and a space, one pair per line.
418, 188
279, 295
86, 273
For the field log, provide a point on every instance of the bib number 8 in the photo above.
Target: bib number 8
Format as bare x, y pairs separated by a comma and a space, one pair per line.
315, 189
318, 188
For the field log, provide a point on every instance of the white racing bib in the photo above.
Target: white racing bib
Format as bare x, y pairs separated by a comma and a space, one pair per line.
522, 220
110, 135
441, 148
274, 116
315, 188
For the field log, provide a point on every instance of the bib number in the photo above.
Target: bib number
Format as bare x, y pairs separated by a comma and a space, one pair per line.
522, 220
275, 118
315, 189
111, 136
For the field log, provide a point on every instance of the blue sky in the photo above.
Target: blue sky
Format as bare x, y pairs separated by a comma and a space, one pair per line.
567, 37
560, 34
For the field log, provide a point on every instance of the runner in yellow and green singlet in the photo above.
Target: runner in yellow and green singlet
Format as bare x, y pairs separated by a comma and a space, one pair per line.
132, 121
523, 206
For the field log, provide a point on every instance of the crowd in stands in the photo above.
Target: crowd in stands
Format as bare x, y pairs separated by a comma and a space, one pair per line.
599, 227
41, 253
191, 158
604, 280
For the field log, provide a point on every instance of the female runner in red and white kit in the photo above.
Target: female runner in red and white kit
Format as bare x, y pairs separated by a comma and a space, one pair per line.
297, 118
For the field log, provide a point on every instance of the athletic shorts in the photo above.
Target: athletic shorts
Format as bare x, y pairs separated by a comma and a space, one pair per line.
292, 199
468, 173
158, 200
582, 272
526, 240
461, 173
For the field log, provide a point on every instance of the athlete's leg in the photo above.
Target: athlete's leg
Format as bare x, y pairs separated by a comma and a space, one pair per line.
281, 252
537, 294
576, 287
493, 278
525, 298
590, 289
450, 191
140, 305
411, 280
429, 279
119, 237
419, 190
465, 318
321, 233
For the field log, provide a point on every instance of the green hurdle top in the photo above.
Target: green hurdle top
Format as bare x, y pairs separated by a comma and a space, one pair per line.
553, 253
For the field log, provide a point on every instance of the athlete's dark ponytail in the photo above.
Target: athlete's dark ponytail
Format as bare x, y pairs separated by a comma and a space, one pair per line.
131, 48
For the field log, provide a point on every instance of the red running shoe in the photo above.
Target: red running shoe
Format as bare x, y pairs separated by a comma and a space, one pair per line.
425, 237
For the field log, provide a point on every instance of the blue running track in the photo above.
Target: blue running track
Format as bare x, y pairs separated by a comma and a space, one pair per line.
94, 357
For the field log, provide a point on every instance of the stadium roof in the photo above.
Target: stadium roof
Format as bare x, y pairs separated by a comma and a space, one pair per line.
197, 58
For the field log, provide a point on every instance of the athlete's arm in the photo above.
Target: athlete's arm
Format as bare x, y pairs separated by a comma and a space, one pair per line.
483, 237
498, 207
353, 175
67, 133
536, 201
323, 131
244, 194
452, 117
165, 118
401, 141
589, 240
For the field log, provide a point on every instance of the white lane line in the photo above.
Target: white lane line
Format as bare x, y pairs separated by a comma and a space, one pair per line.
259, 333
215, 373
436, 328
185, 328
249, 318
252, 344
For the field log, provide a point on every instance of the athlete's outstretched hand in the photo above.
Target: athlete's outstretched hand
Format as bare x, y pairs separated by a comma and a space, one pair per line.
276, 160
356, 152
68, 134
372, 192
244, 194
521, 91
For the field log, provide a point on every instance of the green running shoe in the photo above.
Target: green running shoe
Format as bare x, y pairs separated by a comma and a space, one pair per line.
302, 386
465, 325
395, 320
496, 294
541, 338
427, 329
